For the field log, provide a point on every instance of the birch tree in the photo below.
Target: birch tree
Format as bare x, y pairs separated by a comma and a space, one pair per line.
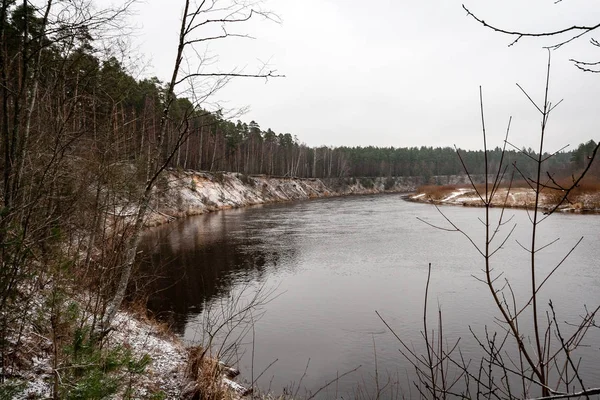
202, 22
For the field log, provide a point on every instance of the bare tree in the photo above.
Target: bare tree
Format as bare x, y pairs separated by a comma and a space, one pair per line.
198, 21
530, 353
563, 36
39, 126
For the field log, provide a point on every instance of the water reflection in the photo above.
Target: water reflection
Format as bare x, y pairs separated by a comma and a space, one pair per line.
203, 258
336, 261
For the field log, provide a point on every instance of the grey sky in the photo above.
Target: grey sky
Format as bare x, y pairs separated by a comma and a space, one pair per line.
398, 73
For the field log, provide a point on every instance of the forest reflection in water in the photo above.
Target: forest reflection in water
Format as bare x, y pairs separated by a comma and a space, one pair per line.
202, 258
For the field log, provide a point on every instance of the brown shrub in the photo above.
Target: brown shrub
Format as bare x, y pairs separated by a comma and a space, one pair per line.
553, 197
589, 185
436, 192
205, 373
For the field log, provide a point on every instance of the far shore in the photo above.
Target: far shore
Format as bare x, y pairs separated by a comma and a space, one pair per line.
188, 193
520, 197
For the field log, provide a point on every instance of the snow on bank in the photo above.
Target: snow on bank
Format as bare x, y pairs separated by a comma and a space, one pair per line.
516, 198
165, 376
521, 197
454, 195
165, 372
186, 193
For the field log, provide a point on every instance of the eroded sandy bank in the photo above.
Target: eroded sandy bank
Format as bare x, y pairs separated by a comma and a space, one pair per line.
185, 193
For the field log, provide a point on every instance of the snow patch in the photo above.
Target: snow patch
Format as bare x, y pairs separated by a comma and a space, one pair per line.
166, 371
192, 192
455, 194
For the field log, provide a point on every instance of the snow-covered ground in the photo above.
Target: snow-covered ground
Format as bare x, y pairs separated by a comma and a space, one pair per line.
165, 372
515, 198
189, 193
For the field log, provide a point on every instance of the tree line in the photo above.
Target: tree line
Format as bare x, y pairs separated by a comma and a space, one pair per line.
215, 143
105, 104
218, 144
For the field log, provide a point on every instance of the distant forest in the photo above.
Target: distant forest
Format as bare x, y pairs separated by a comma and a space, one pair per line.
104, 104
221, 145
217, 144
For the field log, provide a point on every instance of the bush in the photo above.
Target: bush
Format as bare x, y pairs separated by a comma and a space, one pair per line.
246, 180
219, 177
10, 389
367, 183
87, 367
96, 372
390, 182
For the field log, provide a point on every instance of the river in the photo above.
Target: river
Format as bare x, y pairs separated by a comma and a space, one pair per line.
324, 267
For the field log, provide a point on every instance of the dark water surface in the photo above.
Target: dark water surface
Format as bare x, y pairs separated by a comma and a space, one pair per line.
330, 264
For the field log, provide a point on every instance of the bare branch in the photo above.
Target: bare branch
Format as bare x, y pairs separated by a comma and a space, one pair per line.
578, 30
270, 74
583, 393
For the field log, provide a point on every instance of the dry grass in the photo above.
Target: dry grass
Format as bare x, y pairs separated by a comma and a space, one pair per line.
207, 375
138, 307
589, 184
515, 184
438, 192
586, 195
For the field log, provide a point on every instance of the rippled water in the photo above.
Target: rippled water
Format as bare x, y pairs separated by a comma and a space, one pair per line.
330, 264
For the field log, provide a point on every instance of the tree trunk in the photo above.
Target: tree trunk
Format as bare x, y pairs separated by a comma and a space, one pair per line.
157, 168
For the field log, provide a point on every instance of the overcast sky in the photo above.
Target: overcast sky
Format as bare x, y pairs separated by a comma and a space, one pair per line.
398, 73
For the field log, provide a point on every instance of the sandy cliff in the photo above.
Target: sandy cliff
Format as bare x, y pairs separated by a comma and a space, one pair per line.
184, 193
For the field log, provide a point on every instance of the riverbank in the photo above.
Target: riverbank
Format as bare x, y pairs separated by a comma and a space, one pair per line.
579, 201
156, 358
179, 194
159, 366
185, 193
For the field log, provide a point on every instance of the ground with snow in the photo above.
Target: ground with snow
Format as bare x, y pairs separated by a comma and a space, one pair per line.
513, 198
186, 193
165, 372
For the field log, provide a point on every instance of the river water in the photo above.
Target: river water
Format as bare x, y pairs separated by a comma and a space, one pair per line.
324, 267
